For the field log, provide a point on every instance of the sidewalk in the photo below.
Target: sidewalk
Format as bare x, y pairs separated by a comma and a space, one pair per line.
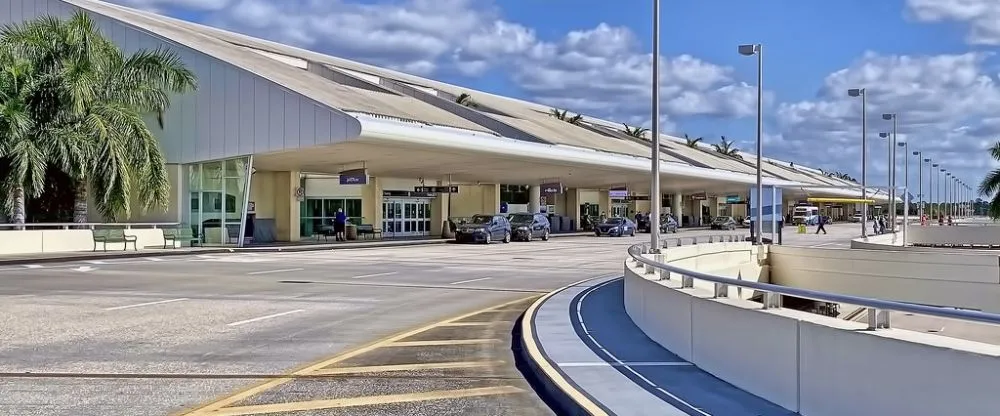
40, 258
591, 359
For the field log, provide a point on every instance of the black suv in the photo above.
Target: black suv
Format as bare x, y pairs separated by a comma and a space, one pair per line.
530, 226
484, 229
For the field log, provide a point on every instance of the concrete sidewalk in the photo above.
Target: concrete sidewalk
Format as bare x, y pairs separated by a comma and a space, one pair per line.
40, 258
591, 359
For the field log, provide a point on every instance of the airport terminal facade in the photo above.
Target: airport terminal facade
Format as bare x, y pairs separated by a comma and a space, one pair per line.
283, 137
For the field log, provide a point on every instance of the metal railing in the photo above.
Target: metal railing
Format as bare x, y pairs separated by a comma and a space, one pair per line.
86, 225
878, 309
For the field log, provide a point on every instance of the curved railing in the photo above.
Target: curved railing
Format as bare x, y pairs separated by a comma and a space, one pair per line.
878, 309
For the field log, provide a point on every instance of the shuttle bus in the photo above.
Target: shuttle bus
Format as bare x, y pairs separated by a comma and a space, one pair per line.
805, 214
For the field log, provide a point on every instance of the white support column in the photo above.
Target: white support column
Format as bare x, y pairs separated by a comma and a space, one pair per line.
534, 198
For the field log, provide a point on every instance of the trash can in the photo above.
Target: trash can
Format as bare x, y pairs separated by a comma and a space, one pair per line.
351, 232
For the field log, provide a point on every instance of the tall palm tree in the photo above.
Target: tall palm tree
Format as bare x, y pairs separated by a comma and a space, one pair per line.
691, 142
638, 132
107, 94
990, 185
726, 147
466, 100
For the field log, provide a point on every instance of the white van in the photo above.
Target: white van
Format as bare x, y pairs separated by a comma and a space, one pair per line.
807, 215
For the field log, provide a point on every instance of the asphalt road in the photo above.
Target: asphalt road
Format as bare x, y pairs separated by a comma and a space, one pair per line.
172, 335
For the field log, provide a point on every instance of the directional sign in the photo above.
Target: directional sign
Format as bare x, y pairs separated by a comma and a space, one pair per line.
453, 189
551, 189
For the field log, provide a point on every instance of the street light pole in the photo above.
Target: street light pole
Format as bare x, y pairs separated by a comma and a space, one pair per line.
750, 50
920, 182
947, 196
906, 187
892, 169
930, 188
860, 92
654, 190
940, 195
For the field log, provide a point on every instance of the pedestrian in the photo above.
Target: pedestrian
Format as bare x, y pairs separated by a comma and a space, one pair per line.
821, 222
340, 225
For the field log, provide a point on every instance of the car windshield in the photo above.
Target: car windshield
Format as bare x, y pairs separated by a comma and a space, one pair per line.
613, 221
481, 219
521, 218
722, 220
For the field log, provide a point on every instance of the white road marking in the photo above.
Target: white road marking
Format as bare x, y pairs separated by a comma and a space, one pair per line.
154, 259
33, 266
629, 364
19, 296
118, 308
470, 280
833, 243
265, 317
95, 261
374, 275
276, 271
83, 269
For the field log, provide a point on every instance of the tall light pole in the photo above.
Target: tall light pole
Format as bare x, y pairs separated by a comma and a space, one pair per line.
892, 168
654, 189
920, 181
860, 92
930, 188
750, 50
940, 194
906, 188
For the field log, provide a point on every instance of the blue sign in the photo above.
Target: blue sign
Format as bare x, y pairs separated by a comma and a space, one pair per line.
772, 203
732, 199
354, 177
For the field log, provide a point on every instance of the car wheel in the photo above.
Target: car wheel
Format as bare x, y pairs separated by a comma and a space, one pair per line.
528, 237
506, 237
487, 239
632, 234
545, 235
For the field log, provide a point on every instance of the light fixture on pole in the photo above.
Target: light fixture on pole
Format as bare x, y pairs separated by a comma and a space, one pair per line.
751, 50
860, 92
892, 168
890, 180
654, 189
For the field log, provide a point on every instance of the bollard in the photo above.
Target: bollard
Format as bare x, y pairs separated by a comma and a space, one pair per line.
771, 300
877, 319
721, 290
687, 282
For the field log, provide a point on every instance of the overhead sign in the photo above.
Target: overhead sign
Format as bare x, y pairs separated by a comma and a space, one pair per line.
551, 189
732, 199
618, 193
699, 196
637, 198
451, 189
408, 194
354, 177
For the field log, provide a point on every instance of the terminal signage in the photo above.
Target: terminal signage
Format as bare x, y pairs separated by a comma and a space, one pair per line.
618, 193
637, 198
408, 194
551, 189
451, 189
699, 196
354, 177
733, 199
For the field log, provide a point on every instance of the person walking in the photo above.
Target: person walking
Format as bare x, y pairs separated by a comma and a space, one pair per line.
340, 225
821, 222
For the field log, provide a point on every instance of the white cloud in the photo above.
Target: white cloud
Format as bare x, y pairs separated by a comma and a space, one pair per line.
600, 71
941, 102
982, 16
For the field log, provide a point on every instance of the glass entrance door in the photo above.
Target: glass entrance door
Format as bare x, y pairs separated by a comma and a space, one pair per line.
406, 217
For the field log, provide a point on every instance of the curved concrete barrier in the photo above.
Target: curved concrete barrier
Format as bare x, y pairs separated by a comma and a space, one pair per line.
812, 364
929, 276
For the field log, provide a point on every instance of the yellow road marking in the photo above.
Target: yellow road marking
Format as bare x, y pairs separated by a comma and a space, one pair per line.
472, 323
527, 335
406, 367
437, 342
507, 310
319, 365
364, 401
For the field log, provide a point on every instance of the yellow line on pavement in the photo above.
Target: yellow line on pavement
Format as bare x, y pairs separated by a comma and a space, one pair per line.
405, 367
473, 323
326, 362
364, 401
437, 342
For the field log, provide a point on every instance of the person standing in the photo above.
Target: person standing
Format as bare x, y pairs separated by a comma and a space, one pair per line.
340, 225
821, 222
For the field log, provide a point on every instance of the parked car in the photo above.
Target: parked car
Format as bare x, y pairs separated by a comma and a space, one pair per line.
667, 224
856, 218
723, 223
615, 227
484, 229
529, 226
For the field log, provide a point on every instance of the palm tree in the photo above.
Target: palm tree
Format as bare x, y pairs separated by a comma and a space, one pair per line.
564, 116
639, 132
23, 156
691, 142
726, 147
466, 100
990, 185
106, 94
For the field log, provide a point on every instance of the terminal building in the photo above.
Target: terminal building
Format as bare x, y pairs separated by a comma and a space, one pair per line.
283, 137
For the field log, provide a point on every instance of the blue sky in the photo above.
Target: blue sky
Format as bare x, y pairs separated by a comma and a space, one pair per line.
928, 60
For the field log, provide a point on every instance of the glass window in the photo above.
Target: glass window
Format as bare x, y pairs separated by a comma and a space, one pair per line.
514, 194
194, 178
330, 207
317, 212
212, 176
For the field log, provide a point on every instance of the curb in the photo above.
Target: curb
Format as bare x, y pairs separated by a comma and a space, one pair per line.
282, 249
563, 395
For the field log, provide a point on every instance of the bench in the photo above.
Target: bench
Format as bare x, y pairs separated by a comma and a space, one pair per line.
366, 230
172, 235
114, 235
326, 232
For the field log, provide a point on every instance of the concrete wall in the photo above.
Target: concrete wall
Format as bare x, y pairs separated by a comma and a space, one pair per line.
944, 278
61, 241
233, 113
980, 235
811, 364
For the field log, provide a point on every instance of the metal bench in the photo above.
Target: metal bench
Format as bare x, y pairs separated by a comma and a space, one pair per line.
114, 235
172, 235
366, 230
